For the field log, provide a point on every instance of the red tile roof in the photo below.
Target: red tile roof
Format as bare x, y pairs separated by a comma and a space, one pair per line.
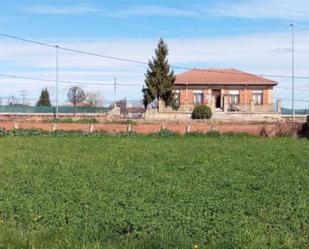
221, 77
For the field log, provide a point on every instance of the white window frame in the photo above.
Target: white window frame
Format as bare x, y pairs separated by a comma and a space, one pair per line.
197, 97
257, 97
234, 97
177, 97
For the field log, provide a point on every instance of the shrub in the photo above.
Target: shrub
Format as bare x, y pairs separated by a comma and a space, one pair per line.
70, 120
165, 133
87, 121
2, 132
201, 112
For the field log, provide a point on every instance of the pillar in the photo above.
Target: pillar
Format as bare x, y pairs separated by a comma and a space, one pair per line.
213, 104
225, 103
279, 105
251, 106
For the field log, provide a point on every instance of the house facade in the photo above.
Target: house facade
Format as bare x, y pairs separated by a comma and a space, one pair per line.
224, 90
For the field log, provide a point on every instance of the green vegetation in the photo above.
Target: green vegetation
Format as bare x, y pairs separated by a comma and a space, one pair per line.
161, 191
201, 112
70, 120
124, 121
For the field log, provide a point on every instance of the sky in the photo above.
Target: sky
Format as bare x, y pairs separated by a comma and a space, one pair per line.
253, 36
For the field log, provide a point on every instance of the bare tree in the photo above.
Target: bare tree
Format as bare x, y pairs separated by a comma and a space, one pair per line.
76, 95
94, 99
122, 104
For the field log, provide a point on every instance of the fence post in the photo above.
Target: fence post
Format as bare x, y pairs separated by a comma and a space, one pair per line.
54, 127
188, 127
15, 125
212, 126
162, 126
91, 128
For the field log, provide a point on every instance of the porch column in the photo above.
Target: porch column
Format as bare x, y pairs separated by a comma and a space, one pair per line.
225, 103
245, 97
213, 103
186, 98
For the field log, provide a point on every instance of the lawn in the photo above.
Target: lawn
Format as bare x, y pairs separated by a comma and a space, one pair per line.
153, 192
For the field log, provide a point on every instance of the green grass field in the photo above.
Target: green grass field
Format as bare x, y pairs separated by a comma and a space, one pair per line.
153, 192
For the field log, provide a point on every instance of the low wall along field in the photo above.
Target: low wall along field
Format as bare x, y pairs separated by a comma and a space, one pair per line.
266, 129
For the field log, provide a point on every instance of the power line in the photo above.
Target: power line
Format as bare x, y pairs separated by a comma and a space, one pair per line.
54, 100
65, 81
134, 61
289, 88
100, 84
72, 50
297, 100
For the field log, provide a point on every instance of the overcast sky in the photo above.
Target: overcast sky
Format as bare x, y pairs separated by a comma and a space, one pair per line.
253, 36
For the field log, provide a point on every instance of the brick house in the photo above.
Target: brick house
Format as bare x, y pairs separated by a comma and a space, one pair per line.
224, 90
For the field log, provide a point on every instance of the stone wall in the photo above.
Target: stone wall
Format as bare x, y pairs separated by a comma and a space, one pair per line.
154, 114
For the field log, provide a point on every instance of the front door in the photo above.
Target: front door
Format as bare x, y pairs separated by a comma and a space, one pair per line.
217, 94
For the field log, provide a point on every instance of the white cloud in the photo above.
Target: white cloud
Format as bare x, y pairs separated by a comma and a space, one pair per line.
149, 10
269, 9
265, 53
61, 10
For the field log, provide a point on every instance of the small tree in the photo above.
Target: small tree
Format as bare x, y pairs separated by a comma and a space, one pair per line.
44, 98
76, 95
93, 99
159, 78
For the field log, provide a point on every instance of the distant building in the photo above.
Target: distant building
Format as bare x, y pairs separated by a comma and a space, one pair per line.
224, 90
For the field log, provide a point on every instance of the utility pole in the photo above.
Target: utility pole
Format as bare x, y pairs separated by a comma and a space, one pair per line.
23, 94
57, 80
293, 69
115, 92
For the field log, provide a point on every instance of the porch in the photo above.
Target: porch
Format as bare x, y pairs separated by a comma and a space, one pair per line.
227, 98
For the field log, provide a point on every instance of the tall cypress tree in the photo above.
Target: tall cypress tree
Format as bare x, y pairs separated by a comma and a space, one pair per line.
44, 98
159, 79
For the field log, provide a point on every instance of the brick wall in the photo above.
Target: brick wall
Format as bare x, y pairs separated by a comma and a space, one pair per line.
265, 97
182, 96
241, 97
270, 129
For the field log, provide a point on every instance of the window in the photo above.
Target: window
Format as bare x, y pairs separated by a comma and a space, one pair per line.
197, 97
177, 97
258, 97
234, 97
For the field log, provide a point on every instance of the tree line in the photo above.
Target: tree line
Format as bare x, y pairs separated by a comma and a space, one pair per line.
76, 96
